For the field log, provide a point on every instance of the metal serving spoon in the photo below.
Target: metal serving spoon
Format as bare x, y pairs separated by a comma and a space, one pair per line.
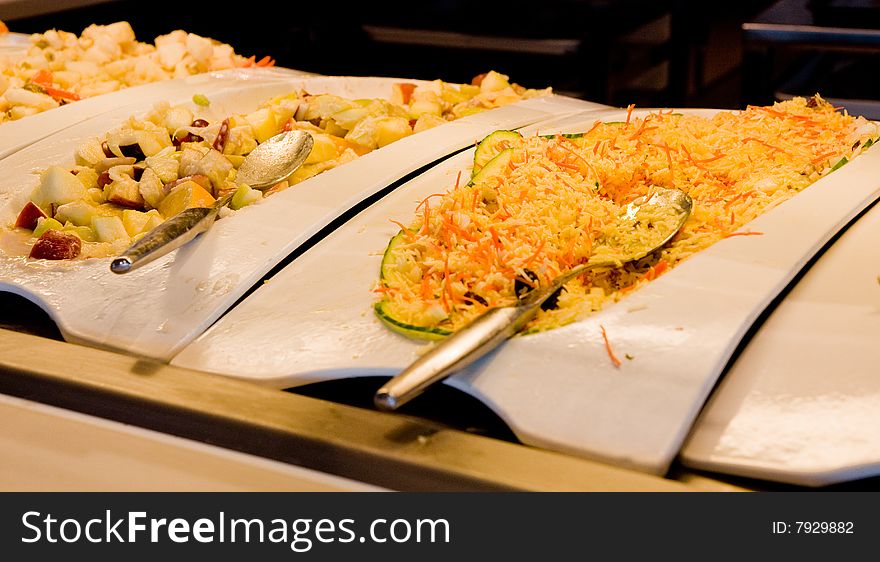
269, 163
644, 226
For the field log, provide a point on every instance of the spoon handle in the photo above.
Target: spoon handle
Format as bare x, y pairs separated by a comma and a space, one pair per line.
455, 352
168, 236
467, 345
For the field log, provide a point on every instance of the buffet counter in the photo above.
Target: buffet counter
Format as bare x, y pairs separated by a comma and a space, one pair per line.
229, 434
247, 353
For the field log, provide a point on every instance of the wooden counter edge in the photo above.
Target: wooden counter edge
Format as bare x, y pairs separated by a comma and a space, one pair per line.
388, 450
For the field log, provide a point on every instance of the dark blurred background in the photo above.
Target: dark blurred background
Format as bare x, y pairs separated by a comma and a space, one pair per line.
652, 53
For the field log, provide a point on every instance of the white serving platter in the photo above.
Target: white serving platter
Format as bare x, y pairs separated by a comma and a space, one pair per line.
801, 404
313, 321
158, 309
19, 134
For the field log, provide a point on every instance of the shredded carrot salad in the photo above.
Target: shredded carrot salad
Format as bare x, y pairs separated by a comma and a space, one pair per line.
473, 247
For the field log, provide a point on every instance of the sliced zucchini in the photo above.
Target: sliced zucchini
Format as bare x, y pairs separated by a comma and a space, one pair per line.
839, 164
495, 167
491, 146
564, 135
384, 313
384, 309
388, 257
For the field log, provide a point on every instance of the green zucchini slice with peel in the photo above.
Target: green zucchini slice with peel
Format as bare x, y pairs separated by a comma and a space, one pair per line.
384, 309
390, 255
491, 146
840, 164
385, 313
564, 136
495, 167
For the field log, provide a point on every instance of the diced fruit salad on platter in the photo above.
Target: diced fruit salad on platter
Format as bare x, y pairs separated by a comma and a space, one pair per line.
61, 67
131, 179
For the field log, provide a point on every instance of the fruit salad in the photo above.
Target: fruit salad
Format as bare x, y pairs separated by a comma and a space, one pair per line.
130, 180
61, 68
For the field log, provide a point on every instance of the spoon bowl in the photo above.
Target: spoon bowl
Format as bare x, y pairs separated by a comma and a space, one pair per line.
270, 162
275, 159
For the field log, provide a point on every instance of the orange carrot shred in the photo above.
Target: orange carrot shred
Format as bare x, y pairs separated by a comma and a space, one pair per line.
265, 62
629, 111
594, 127
534, 256
608, 348
43, 78
408, 232
425, 200
767, 144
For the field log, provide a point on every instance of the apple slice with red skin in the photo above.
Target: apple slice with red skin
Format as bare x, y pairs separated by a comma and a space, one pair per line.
28, 216
56, 245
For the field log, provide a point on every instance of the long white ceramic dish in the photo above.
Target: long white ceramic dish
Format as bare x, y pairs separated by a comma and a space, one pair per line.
557, 389
801, 404
158, 309
16, 135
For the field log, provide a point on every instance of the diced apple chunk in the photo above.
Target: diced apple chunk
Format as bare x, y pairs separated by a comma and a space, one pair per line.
58, 186
151, 188
245, 196
85, 233
189, 161
333, 128
455, 95
494, 82
235, 159
124, 192
56, 245
45, 224
264, 123
421, 107
216, 167
177, 118
391, 129
94, 195
348, 118
165, 165
134, 221
87, 176
90, 152
29, 216
154, 219
152, 143
109, 229
427, 121
324, 149
80, 213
